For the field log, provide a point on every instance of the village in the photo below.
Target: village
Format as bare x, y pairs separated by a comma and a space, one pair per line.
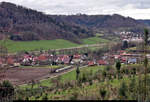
51, 57
28, 59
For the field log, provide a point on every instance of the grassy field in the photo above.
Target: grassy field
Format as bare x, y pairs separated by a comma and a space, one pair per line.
72, 75
94, 40
15, 46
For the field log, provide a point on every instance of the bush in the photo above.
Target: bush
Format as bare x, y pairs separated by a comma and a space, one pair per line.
102, 92
122, 90
45, 97
74, 96
6, 89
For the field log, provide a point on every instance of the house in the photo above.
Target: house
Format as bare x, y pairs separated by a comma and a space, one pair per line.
148, 56
43, 60
132, 60
63, 59
91, 63
10, 61
2, 62
42, 57
27, 59
122, 51
16, 64
123, 60
66, 59
74, 61
117, 56
102, 62
77, 56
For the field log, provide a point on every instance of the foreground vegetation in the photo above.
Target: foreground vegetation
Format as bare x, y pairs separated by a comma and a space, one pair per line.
96, 82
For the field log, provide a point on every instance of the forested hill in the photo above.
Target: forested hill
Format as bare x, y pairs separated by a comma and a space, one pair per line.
101, 21
21, 23
27, 24
147, 21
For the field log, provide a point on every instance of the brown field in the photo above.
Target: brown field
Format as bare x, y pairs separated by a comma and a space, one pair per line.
24, 75
18, 76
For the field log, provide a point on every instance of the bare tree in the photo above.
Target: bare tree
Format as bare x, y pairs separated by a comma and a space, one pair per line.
145, 60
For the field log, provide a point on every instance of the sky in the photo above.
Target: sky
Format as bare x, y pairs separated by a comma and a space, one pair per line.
138, 9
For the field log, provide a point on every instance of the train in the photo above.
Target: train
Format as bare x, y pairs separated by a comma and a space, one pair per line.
63, 69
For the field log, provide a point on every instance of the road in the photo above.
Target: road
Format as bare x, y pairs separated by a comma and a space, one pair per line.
82, 46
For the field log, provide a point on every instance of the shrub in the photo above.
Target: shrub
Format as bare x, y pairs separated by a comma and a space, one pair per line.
45, 97
6, 89
74, 96
122, 90
102, 92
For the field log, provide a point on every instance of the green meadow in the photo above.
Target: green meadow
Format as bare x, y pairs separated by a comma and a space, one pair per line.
94, 40
17, 46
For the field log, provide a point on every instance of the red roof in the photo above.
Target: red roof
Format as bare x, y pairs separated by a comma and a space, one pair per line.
117, 56
123, 59
42, 58
125, 54
35, 58
122, 51
90, 63
77, 56
63, 57
102, 62
10, 60
27, 56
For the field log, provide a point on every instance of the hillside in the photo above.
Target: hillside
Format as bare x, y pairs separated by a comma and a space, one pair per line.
147, 22
25, 24
104, 23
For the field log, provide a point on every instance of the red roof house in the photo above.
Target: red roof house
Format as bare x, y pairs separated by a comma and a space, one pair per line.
77, 56
10, 60
102, 62
42, 58
91, 63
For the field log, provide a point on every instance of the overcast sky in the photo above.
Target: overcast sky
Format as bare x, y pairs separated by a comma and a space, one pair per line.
138, 9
